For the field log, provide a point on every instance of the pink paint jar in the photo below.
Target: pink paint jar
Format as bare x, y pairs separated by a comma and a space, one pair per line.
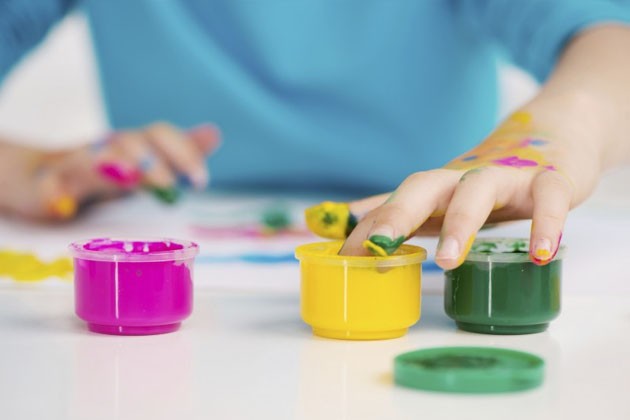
133, 287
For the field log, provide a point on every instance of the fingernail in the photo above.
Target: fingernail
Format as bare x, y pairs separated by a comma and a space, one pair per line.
119, 174
199, 179
541, 250
383, 230
64, 207
382, 245
448, 249
209, 130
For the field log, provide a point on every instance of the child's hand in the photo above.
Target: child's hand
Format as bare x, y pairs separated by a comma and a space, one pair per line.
519, 172
54, 185
531, 167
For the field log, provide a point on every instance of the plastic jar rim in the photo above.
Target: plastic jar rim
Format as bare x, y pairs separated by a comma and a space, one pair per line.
188, 251
320, 252
508, 257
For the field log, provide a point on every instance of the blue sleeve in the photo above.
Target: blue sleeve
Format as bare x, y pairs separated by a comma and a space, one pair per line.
23, 23
534, 32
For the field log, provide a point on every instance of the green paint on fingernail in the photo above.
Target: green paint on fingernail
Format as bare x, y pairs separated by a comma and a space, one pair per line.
168, 195
382, 245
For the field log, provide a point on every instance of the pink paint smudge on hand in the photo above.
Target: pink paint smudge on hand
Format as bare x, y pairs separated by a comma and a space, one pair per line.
120, 175
515, 162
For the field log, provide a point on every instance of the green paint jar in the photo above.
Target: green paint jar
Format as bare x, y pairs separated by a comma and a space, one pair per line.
498, 290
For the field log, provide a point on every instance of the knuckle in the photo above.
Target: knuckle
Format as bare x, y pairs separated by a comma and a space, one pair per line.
551, 218
429, 176
414, 178
460, 218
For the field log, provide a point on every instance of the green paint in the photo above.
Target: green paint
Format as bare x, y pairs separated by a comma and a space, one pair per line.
329, 219
387, 244
352, 223
484, 247
503, 297
168, 195
276, 218
448, 361
521, 247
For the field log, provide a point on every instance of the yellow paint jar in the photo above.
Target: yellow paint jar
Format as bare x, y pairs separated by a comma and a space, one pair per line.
359, 298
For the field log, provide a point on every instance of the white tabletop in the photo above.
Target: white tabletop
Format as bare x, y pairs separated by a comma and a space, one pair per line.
248, 356
245, 353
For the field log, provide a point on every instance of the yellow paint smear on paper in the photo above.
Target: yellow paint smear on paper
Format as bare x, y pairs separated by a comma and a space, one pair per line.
28, 267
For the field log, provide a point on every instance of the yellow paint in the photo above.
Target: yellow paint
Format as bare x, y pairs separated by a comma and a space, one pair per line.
467, 247
359, 298
521, 118
542, 254
504, 142
27, 267
64, 207
375, 249
328, 219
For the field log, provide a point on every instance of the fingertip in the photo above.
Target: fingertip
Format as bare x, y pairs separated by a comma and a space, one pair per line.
200, 178
207, 137
450, 253
543, 251
63, 207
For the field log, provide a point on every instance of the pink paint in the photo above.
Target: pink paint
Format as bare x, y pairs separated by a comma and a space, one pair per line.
126, 177
133, 287
515, 162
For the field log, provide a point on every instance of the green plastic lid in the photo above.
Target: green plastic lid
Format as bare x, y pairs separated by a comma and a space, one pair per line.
469, 370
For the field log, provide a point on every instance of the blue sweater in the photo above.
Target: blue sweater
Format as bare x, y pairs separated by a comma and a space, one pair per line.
314, 93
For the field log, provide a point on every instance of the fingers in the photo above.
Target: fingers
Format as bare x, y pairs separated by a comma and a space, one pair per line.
181, 154
360, 208
477, 193
130, 160
552, 194
404, 211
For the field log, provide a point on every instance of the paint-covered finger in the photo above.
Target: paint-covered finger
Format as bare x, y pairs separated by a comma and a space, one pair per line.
54, 201
552, 193
475, 196
330, 220
413, 202
132, 162
183, 155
